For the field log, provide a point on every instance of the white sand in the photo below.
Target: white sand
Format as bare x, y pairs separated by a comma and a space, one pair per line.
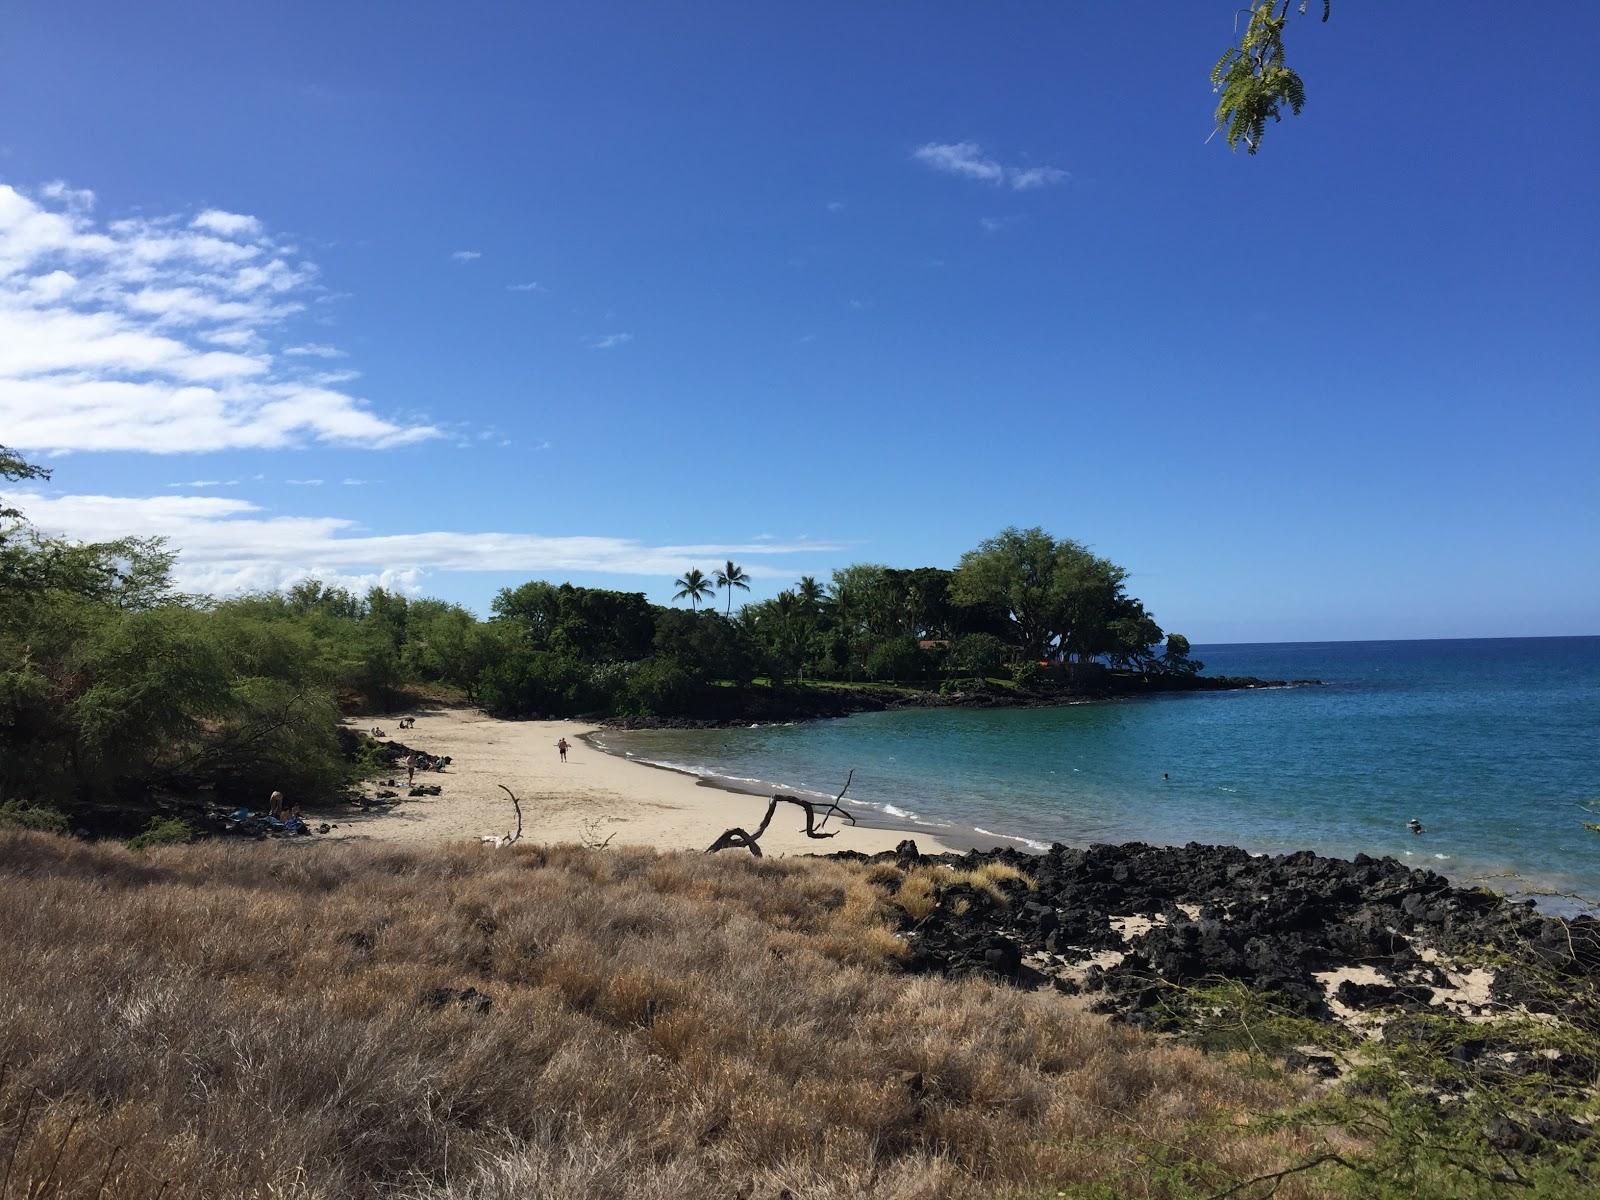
590, 797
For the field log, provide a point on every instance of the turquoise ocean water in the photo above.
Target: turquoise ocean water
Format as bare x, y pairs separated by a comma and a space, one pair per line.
1493, 744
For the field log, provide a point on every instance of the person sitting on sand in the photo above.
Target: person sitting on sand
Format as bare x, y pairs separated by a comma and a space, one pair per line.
275, 805
1414, 825
563, 747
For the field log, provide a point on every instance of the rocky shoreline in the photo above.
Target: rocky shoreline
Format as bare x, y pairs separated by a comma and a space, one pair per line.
766, 705
1123, 922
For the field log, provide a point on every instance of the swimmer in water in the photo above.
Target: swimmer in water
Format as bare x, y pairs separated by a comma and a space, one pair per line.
1414, 825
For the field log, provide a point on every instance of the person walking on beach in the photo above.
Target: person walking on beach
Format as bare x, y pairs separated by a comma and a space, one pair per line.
563, 747
411, 768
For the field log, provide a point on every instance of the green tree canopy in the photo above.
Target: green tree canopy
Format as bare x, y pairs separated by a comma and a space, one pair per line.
1055, 592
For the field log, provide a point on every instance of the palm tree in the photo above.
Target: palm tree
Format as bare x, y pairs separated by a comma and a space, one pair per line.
731, 577
693, 586
810, 593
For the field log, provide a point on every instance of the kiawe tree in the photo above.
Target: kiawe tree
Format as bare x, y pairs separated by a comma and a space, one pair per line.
13, 467
732, 576
1251, 79
694, 587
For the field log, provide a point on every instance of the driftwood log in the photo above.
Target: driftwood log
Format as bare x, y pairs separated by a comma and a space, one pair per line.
509, 838
815, 824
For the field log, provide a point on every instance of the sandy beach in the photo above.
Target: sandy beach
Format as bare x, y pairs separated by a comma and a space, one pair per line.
590, 797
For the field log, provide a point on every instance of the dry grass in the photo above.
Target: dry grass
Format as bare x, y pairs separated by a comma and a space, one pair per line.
918, 890
254, 1021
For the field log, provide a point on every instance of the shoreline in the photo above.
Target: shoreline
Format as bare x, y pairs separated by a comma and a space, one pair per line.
948, 839
595, 798
607, 796
1552, 896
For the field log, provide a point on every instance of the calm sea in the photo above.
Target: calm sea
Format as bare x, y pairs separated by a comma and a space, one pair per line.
1493, 744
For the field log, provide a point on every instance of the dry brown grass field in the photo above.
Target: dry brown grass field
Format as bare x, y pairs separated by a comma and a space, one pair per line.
269, 1021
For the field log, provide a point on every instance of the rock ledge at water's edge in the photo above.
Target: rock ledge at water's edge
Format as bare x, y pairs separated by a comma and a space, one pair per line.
1333, 939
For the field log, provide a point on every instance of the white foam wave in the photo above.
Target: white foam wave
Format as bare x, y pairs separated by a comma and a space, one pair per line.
1011, 837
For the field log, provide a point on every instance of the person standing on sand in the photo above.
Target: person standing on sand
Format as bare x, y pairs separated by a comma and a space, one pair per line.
411, 768
563, 747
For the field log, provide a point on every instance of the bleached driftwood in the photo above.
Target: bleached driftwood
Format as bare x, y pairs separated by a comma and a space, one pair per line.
507, 838
814, 825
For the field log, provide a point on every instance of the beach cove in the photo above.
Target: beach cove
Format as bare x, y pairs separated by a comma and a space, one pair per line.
592, 797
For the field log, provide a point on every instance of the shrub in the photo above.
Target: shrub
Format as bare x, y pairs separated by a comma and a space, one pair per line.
897, 658
661, 686
23, 816
163, 831
1025, 673
980, 654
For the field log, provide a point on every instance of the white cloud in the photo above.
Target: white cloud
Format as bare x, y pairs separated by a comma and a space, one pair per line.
304, 482
227, 544
835, 206
227, 224
609, 340
315, 350
967, 160
466, 255
525, 287
147, 334
1022, 179
206, 483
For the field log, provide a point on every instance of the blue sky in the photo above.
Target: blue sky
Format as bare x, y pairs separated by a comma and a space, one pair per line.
603, 291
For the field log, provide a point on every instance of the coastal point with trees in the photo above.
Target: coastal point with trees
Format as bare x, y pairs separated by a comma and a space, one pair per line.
121, 696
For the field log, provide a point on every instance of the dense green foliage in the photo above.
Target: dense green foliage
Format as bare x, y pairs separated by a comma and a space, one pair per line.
117, 693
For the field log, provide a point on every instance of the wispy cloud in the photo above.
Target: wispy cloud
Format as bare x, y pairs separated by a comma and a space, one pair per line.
525, 287
315, 350
996, 224
304, 482
967, 160
609, 340
148, 334
205, 483
230, 545
836, 206
466, 255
